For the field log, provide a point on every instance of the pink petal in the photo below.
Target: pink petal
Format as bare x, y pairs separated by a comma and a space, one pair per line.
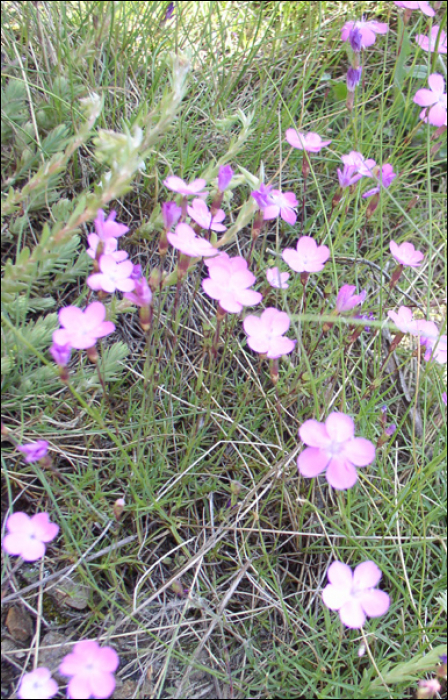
174, 183
242, 279
13, 543
346, 29
280, 322
102, 684
380, 27
293, 259
108, 264
248, 297
32, 550
126, 285
341, 474
213, 289
219, 273
19, 522
288, 215
291, 199
280, 346
106, 328
230, 303
366, 575
335, 597
311, 462
94, 314
79, 688
237, 264
340, 427
61, 336
271, 212
374, 602
293, 139
258, 343
425, 97
252, 325
95, 281
436, 83
70, 316
437, 115
340, 575
360, 451
108, 659
314, 434
352, 614
368, 37
43, 528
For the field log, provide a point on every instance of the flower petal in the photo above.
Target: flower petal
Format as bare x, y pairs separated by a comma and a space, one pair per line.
424, 97
335, 597
341, 474
366, 575
312, 462
352, 614
360, 451
436, 83
280, 346
340, 427
340, 575
374, 602
314, 434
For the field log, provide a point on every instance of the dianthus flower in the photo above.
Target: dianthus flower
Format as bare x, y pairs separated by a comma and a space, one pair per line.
362, 166
229, 283
428, 43
81, 329
277, 279
368, 31
422, 5
34, 451
310, 142
108, 228
27, 536
386, 177
281, 204
187, 242
37, 684
406, 254
176, 184
113, 276
347, 299
266, 333
200, 213
308, 256
435, 99
91, 668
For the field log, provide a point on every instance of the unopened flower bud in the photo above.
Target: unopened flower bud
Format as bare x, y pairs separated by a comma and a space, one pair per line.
118, 508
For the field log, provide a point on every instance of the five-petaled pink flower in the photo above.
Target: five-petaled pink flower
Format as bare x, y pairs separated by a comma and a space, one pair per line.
428, 43
310, 142
34, 451
109, 248
27, 536
200, 213
435, 98
386, 177
108, 228
185, 240
404, 320
362, 166
333, 447
112, 276
406, 254
277, 279
368, 30
266, 333
281, 204
422, 5
81, 329
347, 299
92, 669
353, 593
176, 184
308, 256
37, 684
229, 282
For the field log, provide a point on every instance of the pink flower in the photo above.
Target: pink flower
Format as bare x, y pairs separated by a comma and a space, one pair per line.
171, 214
27, 536
353, 78
113, 276
405, 254
349, 176
176, 184
34, 451
108, 228
428, 43
444, 398
354, 594
281, 204
362, 166
142, 295
435, 98
262, 195
109, 248
37, 684
332, 446
425, 7
200, 213
347, 299
310, 142
436, 348
61, 354
386, 177
185, 240
368, 30
428, 688
404, 320
81, 329
276, 278
225, 175
229, 283
266, 333
92, 669
308, 256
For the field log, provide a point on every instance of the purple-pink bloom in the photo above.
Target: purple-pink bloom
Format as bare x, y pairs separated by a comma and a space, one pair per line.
277, 279
354, 594
37, 684
266, 333
386, 177
91, 668
186, 240
435, 98
262, 195
428, 688
229, 283
425, 7
347, 299
142, 295
404, 320
225, 175
61, 354
355, 38
445, 400
281, 204
109, 248
333, 447
348, 176
310, 142
201, 214
27, 536
308, 256
81, 329
353, 78
428, 43
362, 166
368, 31
436, 346
171, 214
176, 184
34, 451
112, 276
108, 228
406, 254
